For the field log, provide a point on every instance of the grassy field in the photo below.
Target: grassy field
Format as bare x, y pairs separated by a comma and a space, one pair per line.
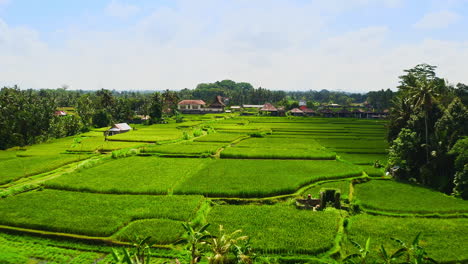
137, 175
391, 196
15, 249
260, 178
279, 229
444, 239
19, 167
219, 137
276, 153
161, 231
154, 133
363, 159
189, 148
91, 214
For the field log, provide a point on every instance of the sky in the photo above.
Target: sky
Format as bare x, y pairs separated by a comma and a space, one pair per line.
340, 45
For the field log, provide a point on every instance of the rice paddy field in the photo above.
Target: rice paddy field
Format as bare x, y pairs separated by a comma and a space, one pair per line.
72, 200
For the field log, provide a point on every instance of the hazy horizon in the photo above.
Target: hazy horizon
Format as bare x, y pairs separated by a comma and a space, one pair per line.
338, 45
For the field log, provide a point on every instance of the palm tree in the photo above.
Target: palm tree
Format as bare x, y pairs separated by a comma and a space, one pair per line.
423, 96
194, 239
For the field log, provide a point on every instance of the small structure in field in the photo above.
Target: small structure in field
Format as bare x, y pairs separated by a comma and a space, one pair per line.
297, 112
269, 108
328, 197
117, 129
60, 113
307, 111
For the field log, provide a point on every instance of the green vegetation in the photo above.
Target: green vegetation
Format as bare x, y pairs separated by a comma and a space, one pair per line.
137, 175
280, 229
17, 168
276, 153
154, 133
219, 137
161, 231
15, 249
343, 186
391, 196
184, 149
260, 178
363, 159
443, 239
91, 214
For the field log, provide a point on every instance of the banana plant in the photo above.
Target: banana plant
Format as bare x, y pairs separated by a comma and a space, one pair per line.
222, 245
393, 258
140, 255
194, 240
415, 253
360, 257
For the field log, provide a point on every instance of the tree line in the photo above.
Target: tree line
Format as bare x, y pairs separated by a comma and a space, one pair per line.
428, 131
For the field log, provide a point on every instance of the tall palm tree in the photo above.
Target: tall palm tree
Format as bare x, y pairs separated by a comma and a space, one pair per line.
423, 96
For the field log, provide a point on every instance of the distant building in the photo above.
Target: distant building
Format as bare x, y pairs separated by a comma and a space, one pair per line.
218, 103
118, 129
297, 112
307, 111
269, 108
252, 106
190, 105
302, 102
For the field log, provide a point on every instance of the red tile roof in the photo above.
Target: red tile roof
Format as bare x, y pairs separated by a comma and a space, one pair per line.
192, 102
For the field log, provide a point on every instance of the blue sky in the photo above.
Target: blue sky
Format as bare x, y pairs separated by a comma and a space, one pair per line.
348, 45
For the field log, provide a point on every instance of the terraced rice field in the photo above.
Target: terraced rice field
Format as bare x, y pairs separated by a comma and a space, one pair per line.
245, 176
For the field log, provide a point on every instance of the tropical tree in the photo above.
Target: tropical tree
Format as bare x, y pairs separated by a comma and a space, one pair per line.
194, 239
361, 256
223, 244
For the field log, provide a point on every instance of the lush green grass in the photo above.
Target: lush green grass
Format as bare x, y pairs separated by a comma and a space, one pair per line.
91, 214
279, 228
154, 133
189, 148
280, 142
352, 143
219, 137
19, 167
444, 239
363, 159
391, 196
91, 144
162, 231
138, 175
372, 171
343, 186
277, 153
260, 178
14, 250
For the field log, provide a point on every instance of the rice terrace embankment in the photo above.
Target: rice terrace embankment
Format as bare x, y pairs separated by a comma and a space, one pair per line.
73, 199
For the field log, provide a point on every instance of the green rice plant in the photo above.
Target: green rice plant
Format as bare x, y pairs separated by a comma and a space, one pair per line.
279, 229
353, 143
190, 148
161, 231
91, 214
219, 137
373, 171
280, 143
363, 159
444, 239
20, 167
154, 133
276, 153
137, 175
392, 196
261, 178
17, 250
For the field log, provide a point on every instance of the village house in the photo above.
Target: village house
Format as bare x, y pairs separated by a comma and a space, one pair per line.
117, 129
269, 108
297, 112
307, 111
187, 106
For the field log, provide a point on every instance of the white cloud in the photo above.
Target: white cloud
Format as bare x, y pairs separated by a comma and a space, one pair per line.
121, 10
437, 20
285, 47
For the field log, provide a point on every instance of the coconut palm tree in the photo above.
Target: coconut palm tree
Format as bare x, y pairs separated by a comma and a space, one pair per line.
422, 97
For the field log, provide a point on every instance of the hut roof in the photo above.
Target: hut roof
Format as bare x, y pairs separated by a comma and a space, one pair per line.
218, 102
252, 106
192, 102
269, 107
296, 111
121, 127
